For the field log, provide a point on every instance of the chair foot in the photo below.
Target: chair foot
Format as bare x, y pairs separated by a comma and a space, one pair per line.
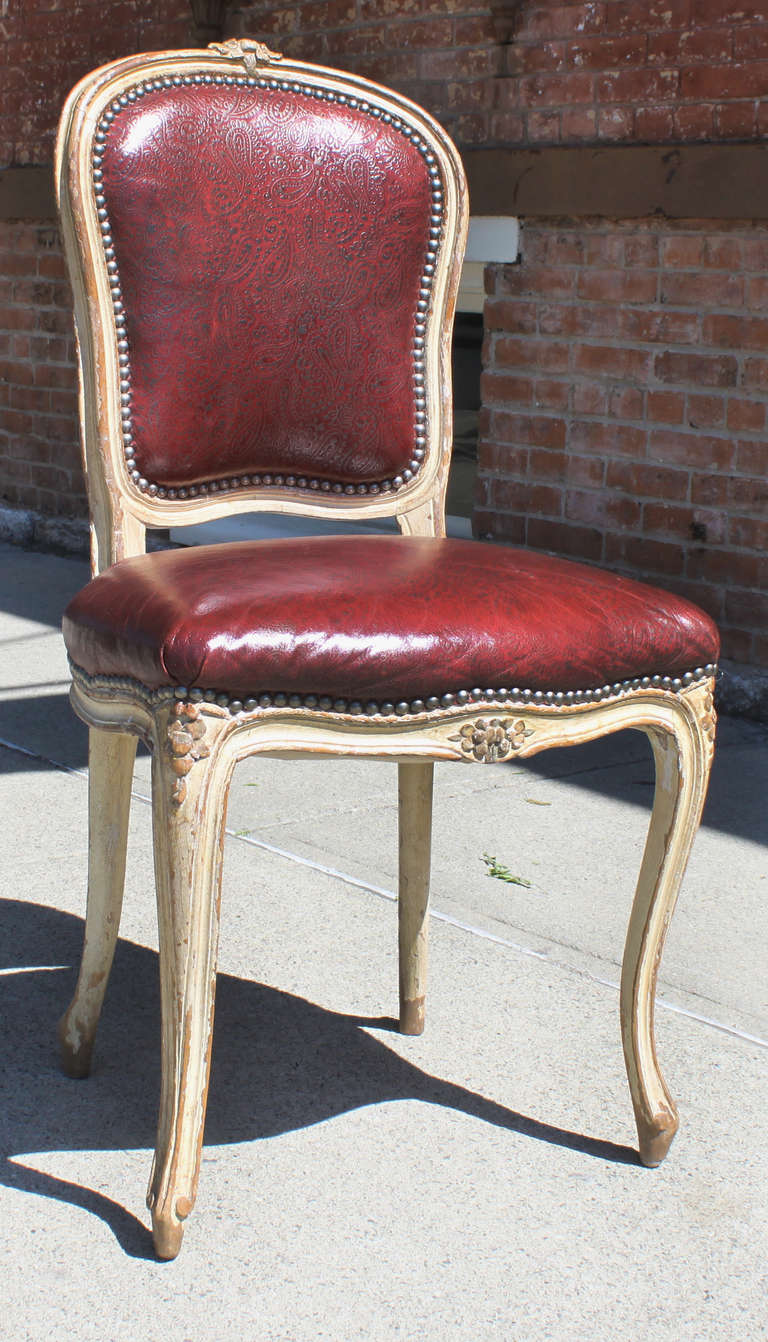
167, 1234
412, 1016
655, 1138
75, 1049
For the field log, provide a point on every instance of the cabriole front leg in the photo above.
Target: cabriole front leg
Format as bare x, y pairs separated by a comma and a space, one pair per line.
189, 792
683, 755
111, 757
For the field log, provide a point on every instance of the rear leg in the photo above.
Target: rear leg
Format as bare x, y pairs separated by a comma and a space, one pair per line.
415, 797
111, 757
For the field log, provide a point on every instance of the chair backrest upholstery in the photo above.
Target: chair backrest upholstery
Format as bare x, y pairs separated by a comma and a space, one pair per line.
265, 258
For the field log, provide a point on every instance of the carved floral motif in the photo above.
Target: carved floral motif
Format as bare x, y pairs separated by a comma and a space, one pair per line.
185, 739
488, 740
708, 719
247, 50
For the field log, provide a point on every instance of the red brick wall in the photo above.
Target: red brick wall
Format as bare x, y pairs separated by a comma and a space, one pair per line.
445, 54
654, 71
39, 447
600, 70
625, 403
626, 363
47, 45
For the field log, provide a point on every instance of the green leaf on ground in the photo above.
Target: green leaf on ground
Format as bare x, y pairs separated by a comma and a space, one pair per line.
503, 873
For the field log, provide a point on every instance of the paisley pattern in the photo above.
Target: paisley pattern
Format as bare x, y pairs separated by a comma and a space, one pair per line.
270, 249
377, 617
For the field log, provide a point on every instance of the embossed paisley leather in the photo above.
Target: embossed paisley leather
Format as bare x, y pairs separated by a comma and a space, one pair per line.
270, 249
379, 617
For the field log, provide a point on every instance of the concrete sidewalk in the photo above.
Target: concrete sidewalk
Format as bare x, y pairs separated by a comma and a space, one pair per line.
479, 1182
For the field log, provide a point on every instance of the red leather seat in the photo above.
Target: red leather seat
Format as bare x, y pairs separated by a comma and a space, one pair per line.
395, 620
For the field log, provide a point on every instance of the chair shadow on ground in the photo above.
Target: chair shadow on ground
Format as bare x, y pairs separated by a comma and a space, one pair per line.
280, 1063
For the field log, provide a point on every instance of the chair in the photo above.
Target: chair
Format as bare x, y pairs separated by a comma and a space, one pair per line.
265, 257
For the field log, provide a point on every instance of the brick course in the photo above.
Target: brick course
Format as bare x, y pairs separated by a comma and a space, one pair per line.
599, 70
645, 453
49, 44
39, 447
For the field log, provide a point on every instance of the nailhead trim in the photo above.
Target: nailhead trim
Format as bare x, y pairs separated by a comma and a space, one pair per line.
153, 698
269, 479
404, 708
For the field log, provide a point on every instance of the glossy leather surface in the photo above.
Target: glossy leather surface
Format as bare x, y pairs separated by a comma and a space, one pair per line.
381, 617
270, 249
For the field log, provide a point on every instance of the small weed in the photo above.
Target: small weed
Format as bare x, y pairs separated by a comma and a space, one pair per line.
503, 873
534, 801
242, 833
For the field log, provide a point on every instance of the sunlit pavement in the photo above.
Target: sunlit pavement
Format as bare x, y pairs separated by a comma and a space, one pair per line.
478, 1182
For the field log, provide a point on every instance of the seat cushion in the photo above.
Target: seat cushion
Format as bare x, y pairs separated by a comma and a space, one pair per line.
377, 618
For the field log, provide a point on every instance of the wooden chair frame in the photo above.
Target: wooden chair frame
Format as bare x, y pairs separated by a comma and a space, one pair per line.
197, 739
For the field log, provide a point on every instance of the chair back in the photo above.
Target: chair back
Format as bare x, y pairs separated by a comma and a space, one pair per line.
265, 257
